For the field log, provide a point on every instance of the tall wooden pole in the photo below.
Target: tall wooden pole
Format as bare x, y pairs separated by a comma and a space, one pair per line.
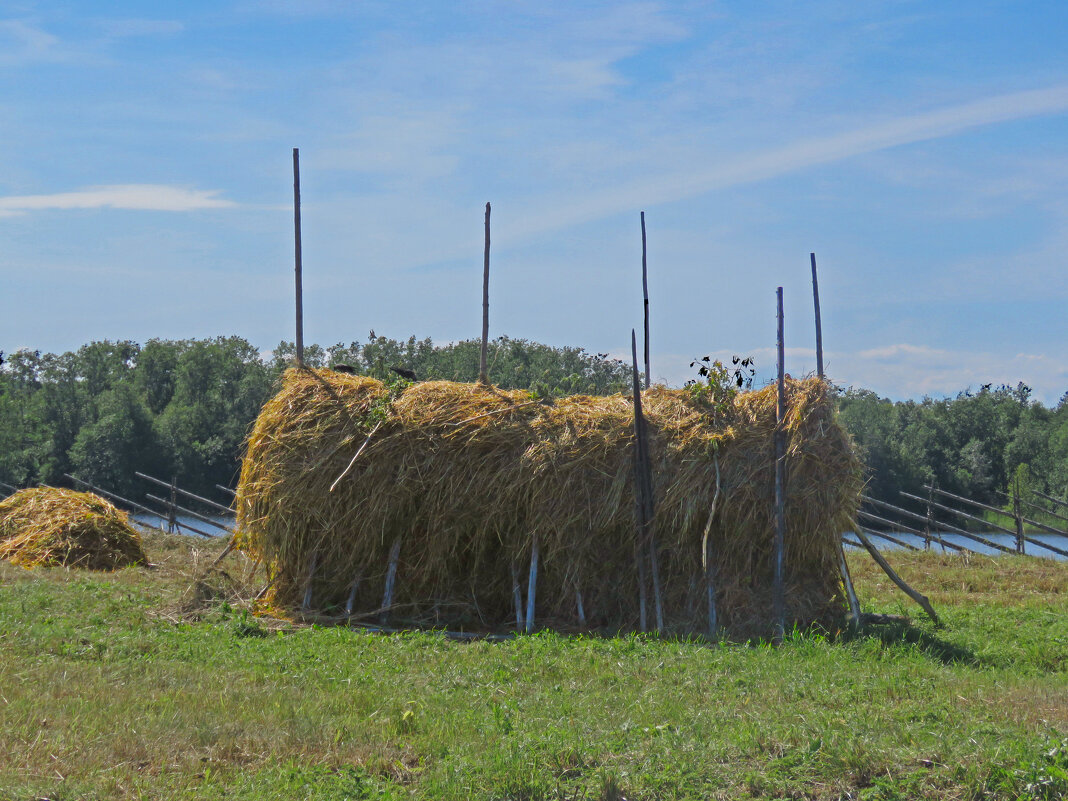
483, 374
778, 590
819, 327
643, 485
645, 292
297, 258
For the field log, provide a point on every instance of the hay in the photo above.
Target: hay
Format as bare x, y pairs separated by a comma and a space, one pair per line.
466, 475
52, 527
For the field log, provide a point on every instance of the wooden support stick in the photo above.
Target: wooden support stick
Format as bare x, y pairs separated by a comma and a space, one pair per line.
847, 582
483, 371
517, 597
352, 461
391, 577
643, 613
819, 327
297, 266
778, 588
313, 563
351, 601
226, 551
894, 577
532, 583
645, 293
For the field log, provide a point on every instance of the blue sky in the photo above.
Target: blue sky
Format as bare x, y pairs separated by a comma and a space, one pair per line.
920, 149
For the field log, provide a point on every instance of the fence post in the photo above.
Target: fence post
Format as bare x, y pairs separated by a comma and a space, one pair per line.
1017, 513
172, 512
927, 525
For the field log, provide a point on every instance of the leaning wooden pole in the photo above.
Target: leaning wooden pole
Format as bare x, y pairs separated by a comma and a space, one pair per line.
483, 372
778, 592
298, 277
894, 577
645, 293
819, 326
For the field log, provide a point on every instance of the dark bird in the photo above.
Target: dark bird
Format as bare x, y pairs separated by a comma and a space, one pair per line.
404, 372
341, 367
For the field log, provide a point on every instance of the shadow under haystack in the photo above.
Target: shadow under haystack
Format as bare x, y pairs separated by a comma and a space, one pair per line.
465, 476
51, 527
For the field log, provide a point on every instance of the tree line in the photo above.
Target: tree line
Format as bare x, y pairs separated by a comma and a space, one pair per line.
183, 408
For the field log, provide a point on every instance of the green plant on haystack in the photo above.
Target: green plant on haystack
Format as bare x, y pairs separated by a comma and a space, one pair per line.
719, 384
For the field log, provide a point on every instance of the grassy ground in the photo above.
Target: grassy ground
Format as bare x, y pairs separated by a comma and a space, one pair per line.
111, 687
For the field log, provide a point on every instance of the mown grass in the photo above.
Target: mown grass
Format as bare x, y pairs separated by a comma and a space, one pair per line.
106, 691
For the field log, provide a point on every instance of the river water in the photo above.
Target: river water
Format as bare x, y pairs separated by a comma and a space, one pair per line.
1007, 540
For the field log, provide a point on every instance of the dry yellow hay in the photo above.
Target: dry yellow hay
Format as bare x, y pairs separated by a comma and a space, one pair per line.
53, 527
465, 475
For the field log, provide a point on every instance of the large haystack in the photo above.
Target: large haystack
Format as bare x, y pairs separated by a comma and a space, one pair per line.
465, 476
53, 527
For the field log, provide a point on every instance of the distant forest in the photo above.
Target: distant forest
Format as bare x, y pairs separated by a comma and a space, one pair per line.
183, 408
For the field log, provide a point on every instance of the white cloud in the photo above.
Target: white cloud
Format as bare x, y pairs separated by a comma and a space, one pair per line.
813, 152
147, 197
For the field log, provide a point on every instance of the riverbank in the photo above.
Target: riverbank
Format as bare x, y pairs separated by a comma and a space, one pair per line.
145, 683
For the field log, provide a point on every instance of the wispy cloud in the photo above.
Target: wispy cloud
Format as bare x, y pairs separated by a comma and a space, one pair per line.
22, 42
744, 169
123, 28
145, 197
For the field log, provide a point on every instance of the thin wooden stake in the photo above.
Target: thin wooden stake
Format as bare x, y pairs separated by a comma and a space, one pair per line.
517, 596
532, 583
1017, 511
351, 601
645, 292
313, 563
778, 590
297, 258
819, 327
391, 577
639, 559
847, 582
483, 372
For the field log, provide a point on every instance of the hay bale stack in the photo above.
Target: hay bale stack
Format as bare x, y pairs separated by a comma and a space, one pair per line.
59, 527
465, 475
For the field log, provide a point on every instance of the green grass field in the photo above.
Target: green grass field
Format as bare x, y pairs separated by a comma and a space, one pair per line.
124, 686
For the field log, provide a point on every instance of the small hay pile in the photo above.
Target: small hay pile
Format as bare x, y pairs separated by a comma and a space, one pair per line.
465, 476
52, 527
